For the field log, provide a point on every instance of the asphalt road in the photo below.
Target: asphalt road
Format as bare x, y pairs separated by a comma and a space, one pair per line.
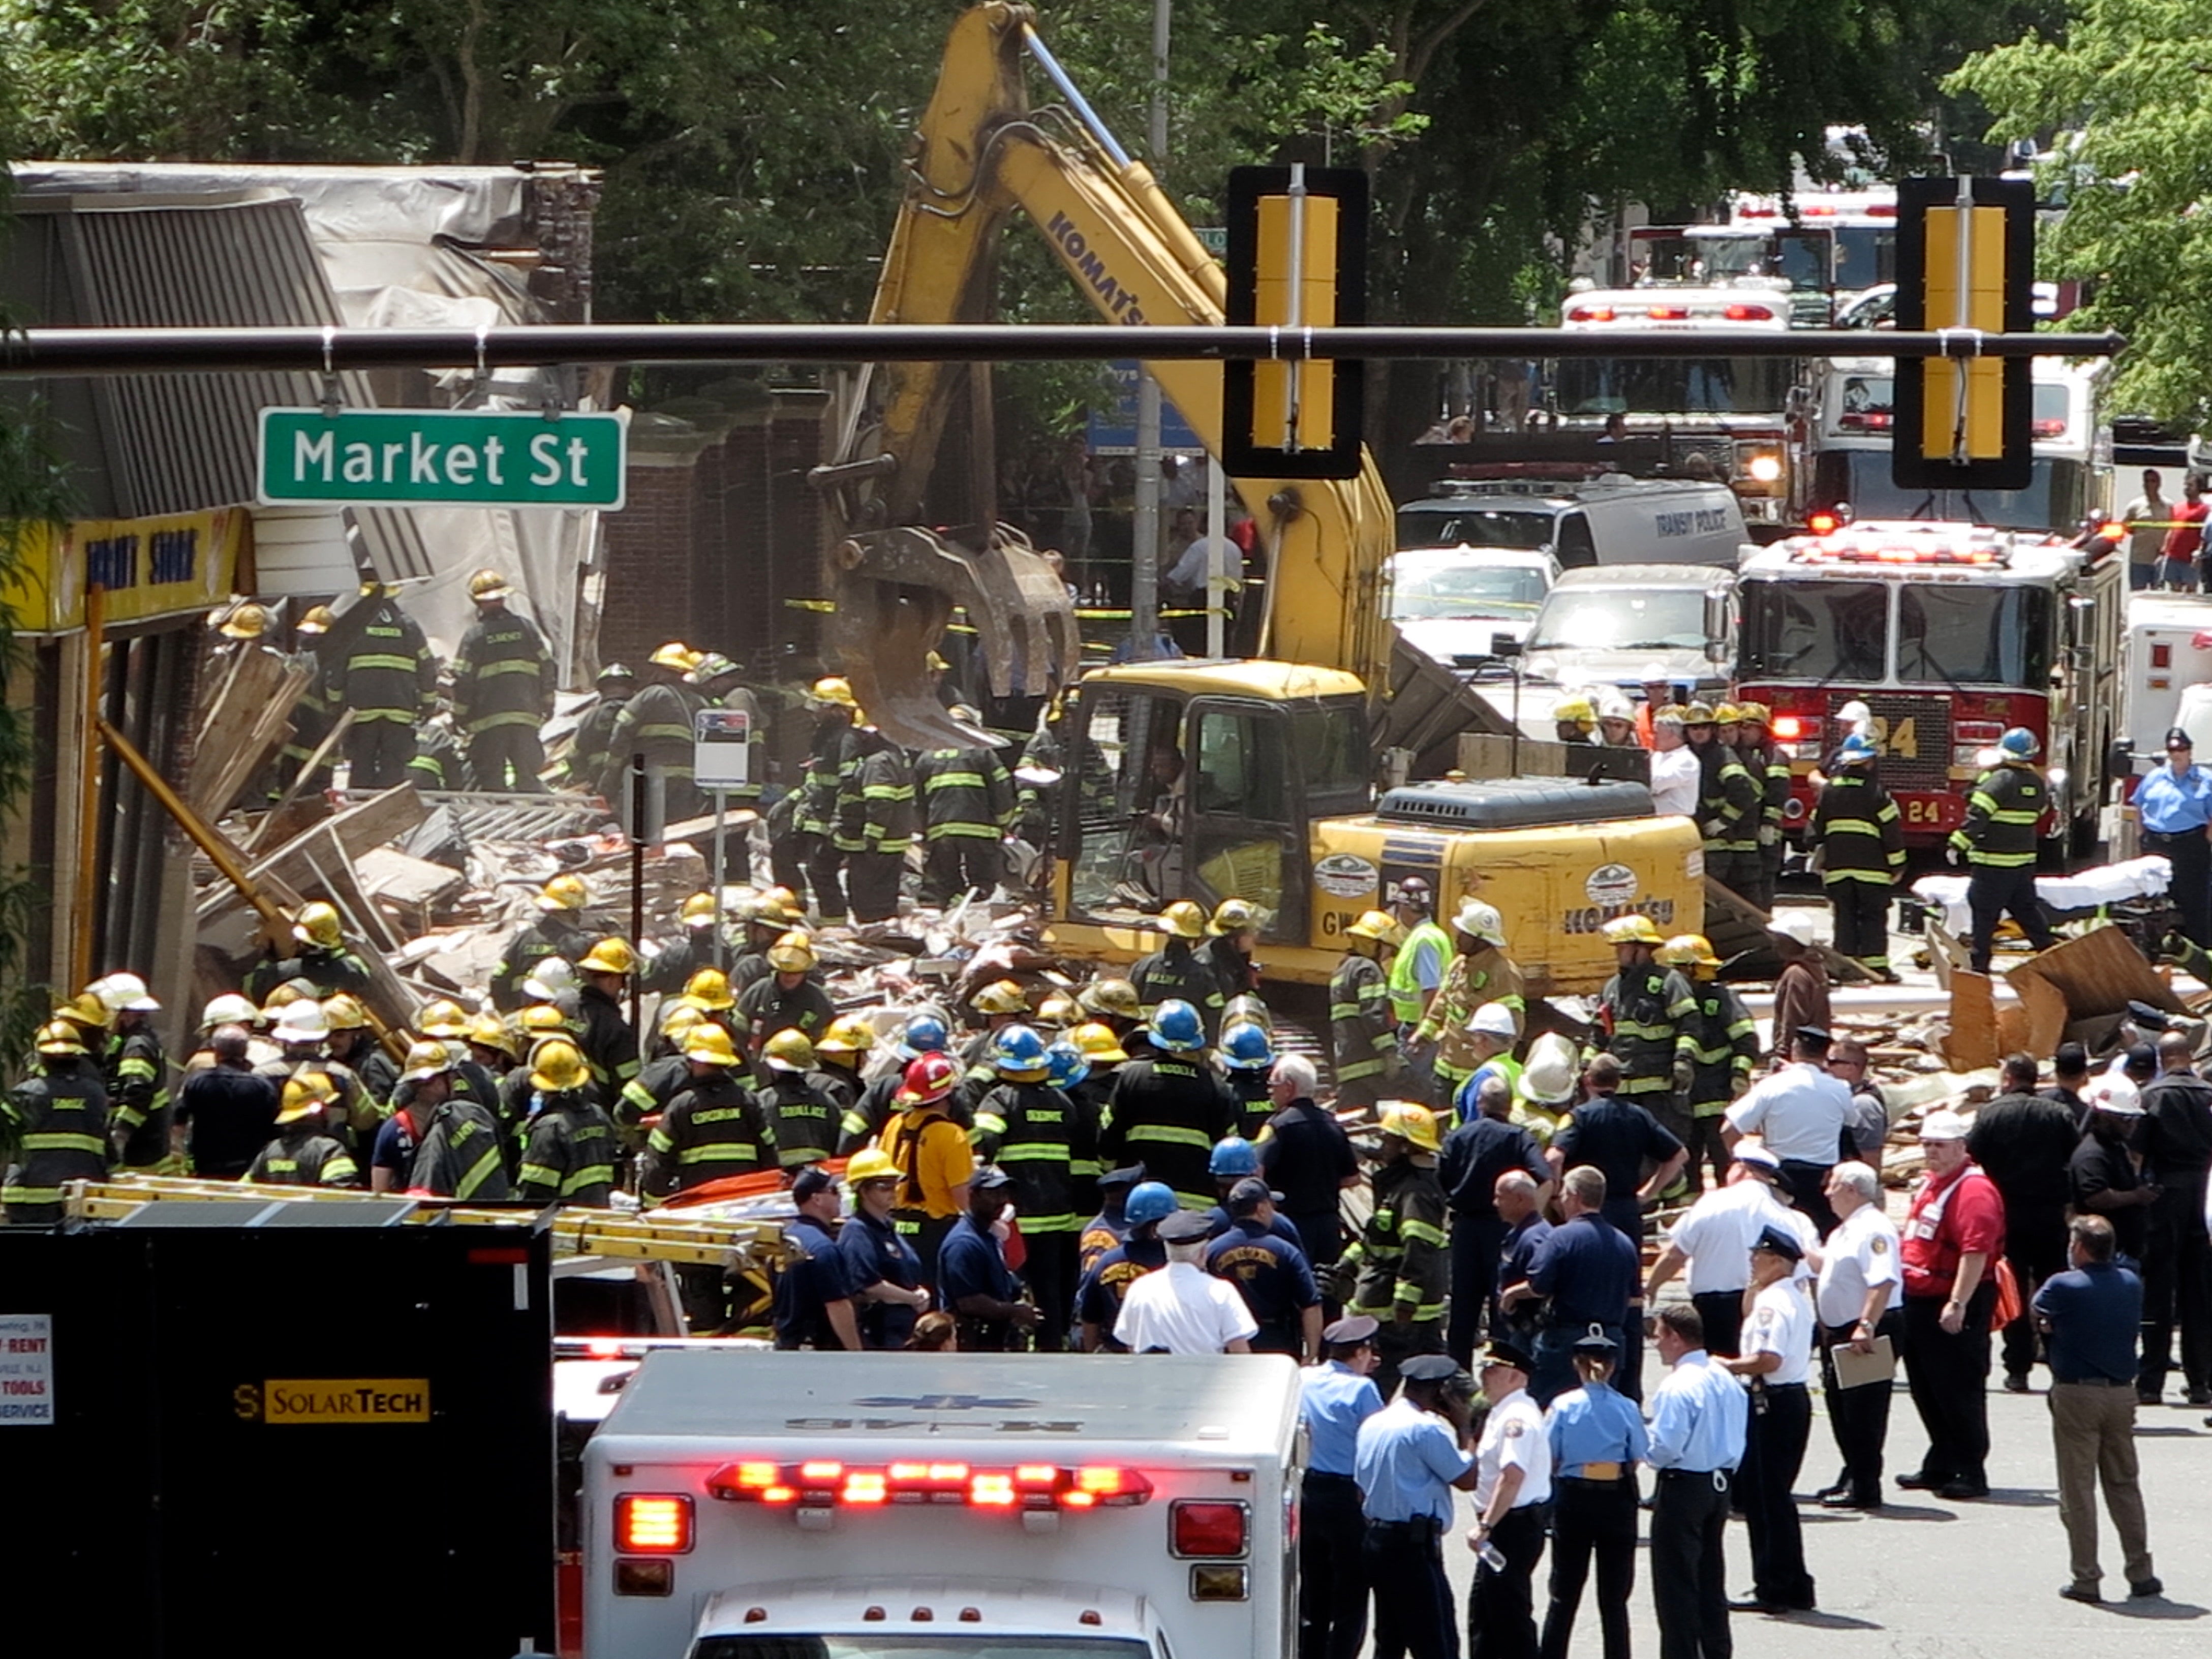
1923, 1578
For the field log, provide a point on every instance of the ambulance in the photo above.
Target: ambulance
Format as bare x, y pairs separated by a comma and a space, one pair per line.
903, 1506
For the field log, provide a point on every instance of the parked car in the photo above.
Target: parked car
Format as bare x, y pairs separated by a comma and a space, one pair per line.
1453, 602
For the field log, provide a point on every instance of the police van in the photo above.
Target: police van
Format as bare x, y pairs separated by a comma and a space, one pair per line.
753, 1506
1611, 519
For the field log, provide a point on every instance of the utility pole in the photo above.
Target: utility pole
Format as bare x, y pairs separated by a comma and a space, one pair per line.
1144, 539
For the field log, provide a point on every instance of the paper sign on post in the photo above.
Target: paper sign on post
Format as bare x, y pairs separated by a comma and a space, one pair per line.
721, 754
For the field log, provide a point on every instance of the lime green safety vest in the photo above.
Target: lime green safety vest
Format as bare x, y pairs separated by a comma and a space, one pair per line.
1408, 1000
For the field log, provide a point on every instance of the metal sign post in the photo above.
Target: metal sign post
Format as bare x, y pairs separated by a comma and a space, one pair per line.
722, 759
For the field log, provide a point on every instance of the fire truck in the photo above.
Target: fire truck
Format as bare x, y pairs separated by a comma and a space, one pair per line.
1949, 633
1862, 224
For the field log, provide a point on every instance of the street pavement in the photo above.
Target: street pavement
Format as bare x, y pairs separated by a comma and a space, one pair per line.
1925, 1578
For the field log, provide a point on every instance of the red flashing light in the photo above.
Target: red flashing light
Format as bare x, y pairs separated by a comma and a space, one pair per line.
1786, 728
1869, 419
2201, 641
604, 1348
2051, 427
653, 1524
1667, 313
1208, 1530
822, 1483
1590, 314
1882, 210
1743, 313
1816, 210
1824, 524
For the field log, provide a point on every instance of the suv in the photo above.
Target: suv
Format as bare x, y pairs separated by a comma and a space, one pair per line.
1452, 602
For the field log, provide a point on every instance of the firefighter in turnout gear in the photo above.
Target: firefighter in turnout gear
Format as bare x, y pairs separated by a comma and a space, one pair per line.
789, 999
1722, 1043
1860, 837
814, 813
353, 1044
137, 1074
588, 751
661, 1080
608, 1044
390, 680
1733, 800
1997, 844
54, 1122
714, 1127
875, 824
312, 716
1646, 1012
1481, 972
656, 723
571, 1156
1030, 1131
802, 1121
1234, 935
304, 1152
503, 685
967, 808
691, 951
459, 1155
1168, 1109
321, 958
557, 930
1178, 972
1398, 1269
1770, 765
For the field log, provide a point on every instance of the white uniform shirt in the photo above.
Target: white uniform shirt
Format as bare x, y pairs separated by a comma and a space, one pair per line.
1799, 1112
1781, 1323
1718, 1231
1676, 780
1861, 1254
1184, 1309
1513, 1439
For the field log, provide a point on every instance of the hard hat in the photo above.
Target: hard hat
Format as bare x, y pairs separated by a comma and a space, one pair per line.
309, 1092
1548, 1079
488, 585
1795, 926
1728, 714
711, 666
58, 1037
564, 893
1632, 930
228, 1009
1099, 1044
2018, 744
710, 988
927, 1078
551, 977
1410, 1122
1065, 1065
1001, 996
925, 1034
1379, 925
614, 671
1574, 711
870, 1164
543, 1019
1116, 997
779, 904
1673, 714
345, 1013
426, 1058
1415, 892
708, 1044
302, 1022
1250, 1010
1149, 1201
2116, 1095
1245, 1047
558, 1066
1233, 1156
1479, 920
1183, 920
1493, 1019
1017, 1053
490, 1031
318, 620
1233, 915
318, 924
1058, 1010
84, 1009
675, 655
792, 954
848, 1034
699, 910
1943, 1124
1698, 714
1177, 1026
610, 956
1652, 673
1612, 705
1754, 713
247, 622
443, 1018
1687, 951
789, 1050
836, 690
679, 1014
1855, 751
284, 996
123, 993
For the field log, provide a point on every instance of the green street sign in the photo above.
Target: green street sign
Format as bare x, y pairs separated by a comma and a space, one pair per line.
437, 457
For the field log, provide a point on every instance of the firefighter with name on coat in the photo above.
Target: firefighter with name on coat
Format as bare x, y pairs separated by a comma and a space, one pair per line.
657, 723
1399, 1268
1997, 845
1733, 802
592, 747
713, 1127
1363, 1026
304, 1152
460, 1154
137, 1074
1179, 970
1168, 1109
570, 1155
1481, 972
1721, 1042
1030, 1131
55, 1122
789, 999
1859, 838
557, 930
1646, 1012
966, 799
503, 685
389, 680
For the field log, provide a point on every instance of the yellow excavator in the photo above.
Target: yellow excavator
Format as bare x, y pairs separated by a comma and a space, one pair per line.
1204, 780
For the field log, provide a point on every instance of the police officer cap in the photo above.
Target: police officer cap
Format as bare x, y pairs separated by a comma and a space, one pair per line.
1757, 1157
812, 1179
1596, 1343
1779, 1241
1814, 1037
1128, 1177
2144, 1017
1247, 1192
990, 1177
2178, 739
1430, 1367
1502, 1352
1184, 1227
2141, 1057
1352, 1331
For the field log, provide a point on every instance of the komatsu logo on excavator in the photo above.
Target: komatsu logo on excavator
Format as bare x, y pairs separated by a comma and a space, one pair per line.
1126, 307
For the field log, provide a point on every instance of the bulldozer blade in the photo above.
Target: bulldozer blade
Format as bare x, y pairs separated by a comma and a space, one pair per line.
893, 590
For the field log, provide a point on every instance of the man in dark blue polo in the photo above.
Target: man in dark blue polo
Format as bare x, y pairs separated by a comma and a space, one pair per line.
1474, 1155
974, 1284
1272, 1276
1520, 1202
1588, 1268
814, 1296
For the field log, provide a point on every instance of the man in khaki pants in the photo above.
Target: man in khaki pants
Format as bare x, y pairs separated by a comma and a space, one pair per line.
2091, 1315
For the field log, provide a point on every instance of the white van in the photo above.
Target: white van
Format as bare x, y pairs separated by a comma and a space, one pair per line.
1612, 518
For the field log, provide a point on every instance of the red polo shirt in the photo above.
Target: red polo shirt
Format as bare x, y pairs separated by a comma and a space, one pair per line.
1948, 1219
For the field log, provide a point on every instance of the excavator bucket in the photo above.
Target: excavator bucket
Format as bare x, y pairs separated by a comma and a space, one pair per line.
894, 591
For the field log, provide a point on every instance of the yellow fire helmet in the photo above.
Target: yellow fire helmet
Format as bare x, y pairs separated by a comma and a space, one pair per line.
1686, 951
1116, 999
557, 1066
789, 1050
699, 910
1183, 920
84, 1010
848, 1034
345, 1013
1234, 915
710, 988
490, 1031
318, 924
305, 1092
1057, 1008
426, 1059
58, 1038
318, 621
1728, 714
707, 1044
247, 622
1574, 711
443, 1018
835, 690
1378, 926
543, 1019
675, 655
792, 954
1001, 996
564, 893
610, 956
679, 1014
282, 997
487, 585
1698, 714
1754, 713
1632, 930
780, 906
1099, 1044
1410, 1122
870, 1164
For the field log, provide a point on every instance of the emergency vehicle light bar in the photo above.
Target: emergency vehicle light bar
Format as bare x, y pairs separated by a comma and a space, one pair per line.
1029, 1486
1737, 313
1861, 553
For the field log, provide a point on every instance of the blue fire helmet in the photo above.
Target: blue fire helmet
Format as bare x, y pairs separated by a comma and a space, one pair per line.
1854, 750
1064, 1065
1148, 1200
1017, 1052
1235, 1156
1245, 1046
2018, 744
925, 1034
1177, 1027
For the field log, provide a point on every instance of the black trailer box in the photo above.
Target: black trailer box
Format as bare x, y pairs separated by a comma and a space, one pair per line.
252, 1430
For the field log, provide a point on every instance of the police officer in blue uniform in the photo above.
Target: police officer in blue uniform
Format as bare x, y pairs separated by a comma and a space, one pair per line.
882, 1267
1597, 1440
1698, 1414
814, 1295
1407, 1459
1272, 1274
1335, 1398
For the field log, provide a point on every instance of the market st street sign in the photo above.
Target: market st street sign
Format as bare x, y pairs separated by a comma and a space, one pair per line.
442, 457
